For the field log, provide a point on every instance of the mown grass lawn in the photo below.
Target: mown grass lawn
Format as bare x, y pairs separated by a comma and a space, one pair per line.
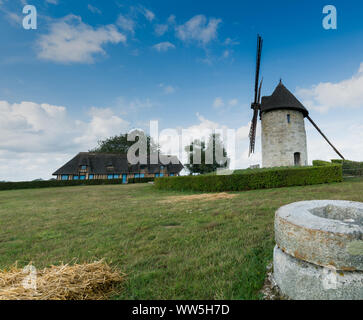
214, 248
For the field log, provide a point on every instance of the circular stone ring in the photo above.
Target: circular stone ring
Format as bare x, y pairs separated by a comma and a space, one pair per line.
328, 233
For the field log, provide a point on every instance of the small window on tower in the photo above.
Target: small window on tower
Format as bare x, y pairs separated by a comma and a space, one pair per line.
288, 118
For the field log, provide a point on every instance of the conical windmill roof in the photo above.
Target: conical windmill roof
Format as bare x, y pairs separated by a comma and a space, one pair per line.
282, 98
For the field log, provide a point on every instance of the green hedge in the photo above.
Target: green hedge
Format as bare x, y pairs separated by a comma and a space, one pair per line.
54, 183
65, 183
339, 161
254, 179
140, 180
320, 163
353, 168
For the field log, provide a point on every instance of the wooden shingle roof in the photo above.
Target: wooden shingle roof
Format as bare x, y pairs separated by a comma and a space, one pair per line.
282, 98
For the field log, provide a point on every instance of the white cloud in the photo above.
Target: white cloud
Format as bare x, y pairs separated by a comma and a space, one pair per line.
134, 105
149, 15
171, 19
72, 41
167, 89
25, 166
125, 23
14, 18
233, 102
161, 29
326, 95
104, 123
226, 54
346, 136
38, 138
94, 9
230, 42
163, 46
218, 102
202, 131
199, 29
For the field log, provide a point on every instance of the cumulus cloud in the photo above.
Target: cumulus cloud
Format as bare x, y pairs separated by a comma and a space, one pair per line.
72, 41
94, 9
163, 46
218, 102
346, 136
161, 29
103, 123
230, 42
125, 23
149, 15
198, 29
171, 19
327, 95
30, 132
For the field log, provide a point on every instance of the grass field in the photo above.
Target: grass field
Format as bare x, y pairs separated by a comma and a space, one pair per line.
171, 245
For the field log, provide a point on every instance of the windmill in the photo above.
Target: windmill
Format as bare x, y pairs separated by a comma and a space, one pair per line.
256, 105
283, 135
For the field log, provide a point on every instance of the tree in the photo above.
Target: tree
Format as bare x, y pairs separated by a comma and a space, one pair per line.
119, 144
205, 158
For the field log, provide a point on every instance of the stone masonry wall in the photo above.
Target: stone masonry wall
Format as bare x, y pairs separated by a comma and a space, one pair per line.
280, 139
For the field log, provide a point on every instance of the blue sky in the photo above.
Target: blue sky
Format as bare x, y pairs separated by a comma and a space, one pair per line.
96, 68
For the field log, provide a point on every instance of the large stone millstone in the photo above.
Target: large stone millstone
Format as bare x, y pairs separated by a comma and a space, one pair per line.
327, 233
301, 280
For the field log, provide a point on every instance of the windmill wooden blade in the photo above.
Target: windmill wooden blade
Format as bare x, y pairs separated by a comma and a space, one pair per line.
252, 134
256, 103
259, 93
327, 140
258, 63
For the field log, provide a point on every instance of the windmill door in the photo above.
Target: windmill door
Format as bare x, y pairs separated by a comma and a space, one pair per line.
297, 159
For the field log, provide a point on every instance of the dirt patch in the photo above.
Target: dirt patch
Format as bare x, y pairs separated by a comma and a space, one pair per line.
172, 227
199, 197
211, 225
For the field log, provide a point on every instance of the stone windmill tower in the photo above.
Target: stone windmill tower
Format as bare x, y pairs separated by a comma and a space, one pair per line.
283, 135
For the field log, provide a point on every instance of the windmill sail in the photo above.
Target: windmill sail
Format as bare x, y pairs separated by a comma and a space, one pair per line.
256, 105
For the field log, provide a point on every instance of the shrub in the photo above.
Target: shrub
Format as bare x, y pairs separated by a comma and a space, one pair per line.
65, 183
254, 179
352, 168
340, 161
320, 163
54, 183
140, 180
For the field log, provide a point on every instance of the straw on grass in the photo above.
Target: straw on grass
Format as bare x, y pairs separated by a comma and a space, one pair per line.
88, 281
